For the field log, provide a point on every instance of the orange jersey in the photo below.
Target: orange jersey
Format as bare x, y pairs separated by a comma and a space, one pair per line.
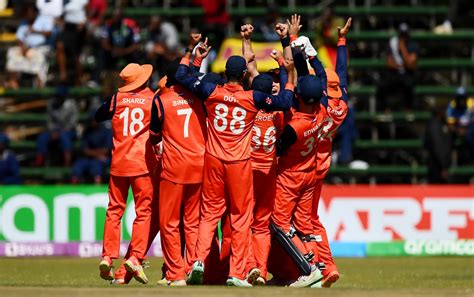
184, 135
231, 112
132, 153
265, 131
301, 155
337, 111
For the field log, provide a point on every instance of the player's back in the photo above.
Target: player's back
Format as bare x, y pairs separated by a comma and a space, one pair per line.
184, 136
231, 112
267, 127
301, 156
132, 153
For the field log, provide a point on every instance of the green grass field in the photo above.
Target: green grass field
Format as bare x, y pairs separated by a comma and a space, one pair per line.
434, 276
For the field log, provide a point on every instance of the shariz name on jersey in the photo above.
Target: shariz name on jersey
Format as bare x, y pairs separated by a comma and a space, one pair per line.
134, 100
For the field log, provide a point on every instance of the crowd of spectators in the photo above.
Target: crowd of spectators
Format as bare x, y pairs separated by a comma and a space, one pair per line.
62, 44
61, 125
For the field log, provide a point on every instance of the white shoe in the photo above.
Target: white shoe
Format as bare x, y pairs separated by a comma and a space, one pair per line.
236, 282
260, 281
118, 281
106, 269
162, 282
317, 285
308, 280
304, 44
177, 283
253, 275
196, 274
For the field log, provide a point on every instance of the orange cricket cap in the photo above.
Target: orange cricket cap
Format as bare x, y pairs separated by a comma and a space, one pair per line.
134, 76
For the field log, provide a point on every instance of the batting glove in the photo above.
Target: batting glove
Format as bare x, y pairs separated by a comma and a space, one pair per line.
305, 46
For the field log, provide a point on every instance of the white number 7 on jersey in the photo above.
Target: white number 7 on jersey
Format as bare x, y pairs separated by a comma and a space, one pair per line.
187, 112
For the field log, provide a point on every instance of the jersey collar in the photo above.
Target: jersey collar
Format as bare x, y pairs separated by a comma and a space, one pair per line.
233, 87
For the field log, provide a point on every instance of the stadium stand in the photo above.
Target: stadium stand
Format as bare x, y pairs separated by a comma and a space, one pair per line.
24, 108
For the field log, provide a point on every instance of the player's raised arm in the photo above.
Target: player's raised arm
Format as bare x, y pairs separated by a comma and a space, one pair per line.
284, 100
192, 83
305, 45
198, 55
294, 26
283, 31
247, 51
278, 57
341, 61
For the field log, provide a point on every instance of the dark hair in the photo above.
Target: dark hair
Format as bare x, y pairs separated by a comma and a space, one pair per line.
233, 76
171, 70
263, 83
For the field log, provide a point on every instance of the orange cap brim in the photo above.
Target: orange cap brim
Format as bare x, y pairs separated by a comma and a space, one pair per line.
143, 78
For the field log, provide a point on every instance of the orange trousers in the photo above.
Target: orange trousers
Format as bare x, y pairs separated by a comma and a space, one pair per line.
235, 179
179, 201
142, 189
264, 181
322, 249
154, 225
294, 203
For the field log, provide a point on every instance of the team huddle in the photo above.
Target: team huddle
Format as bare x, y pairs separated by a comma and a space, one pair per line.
228, 171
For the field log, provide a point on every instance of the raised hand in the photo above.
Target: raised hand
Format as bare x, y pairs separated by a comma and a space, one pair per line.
203, 50
249, 55
294, 24
289, 65
281, 29
194, 39
343, 32
246, 31
276, 55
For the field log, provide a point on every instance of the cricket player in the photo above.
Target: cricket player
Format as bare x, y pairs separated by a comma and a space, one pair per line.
122, 276
266, 129
133, 163
337, 108
336, 111
179, 119
227, 166
296, 178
